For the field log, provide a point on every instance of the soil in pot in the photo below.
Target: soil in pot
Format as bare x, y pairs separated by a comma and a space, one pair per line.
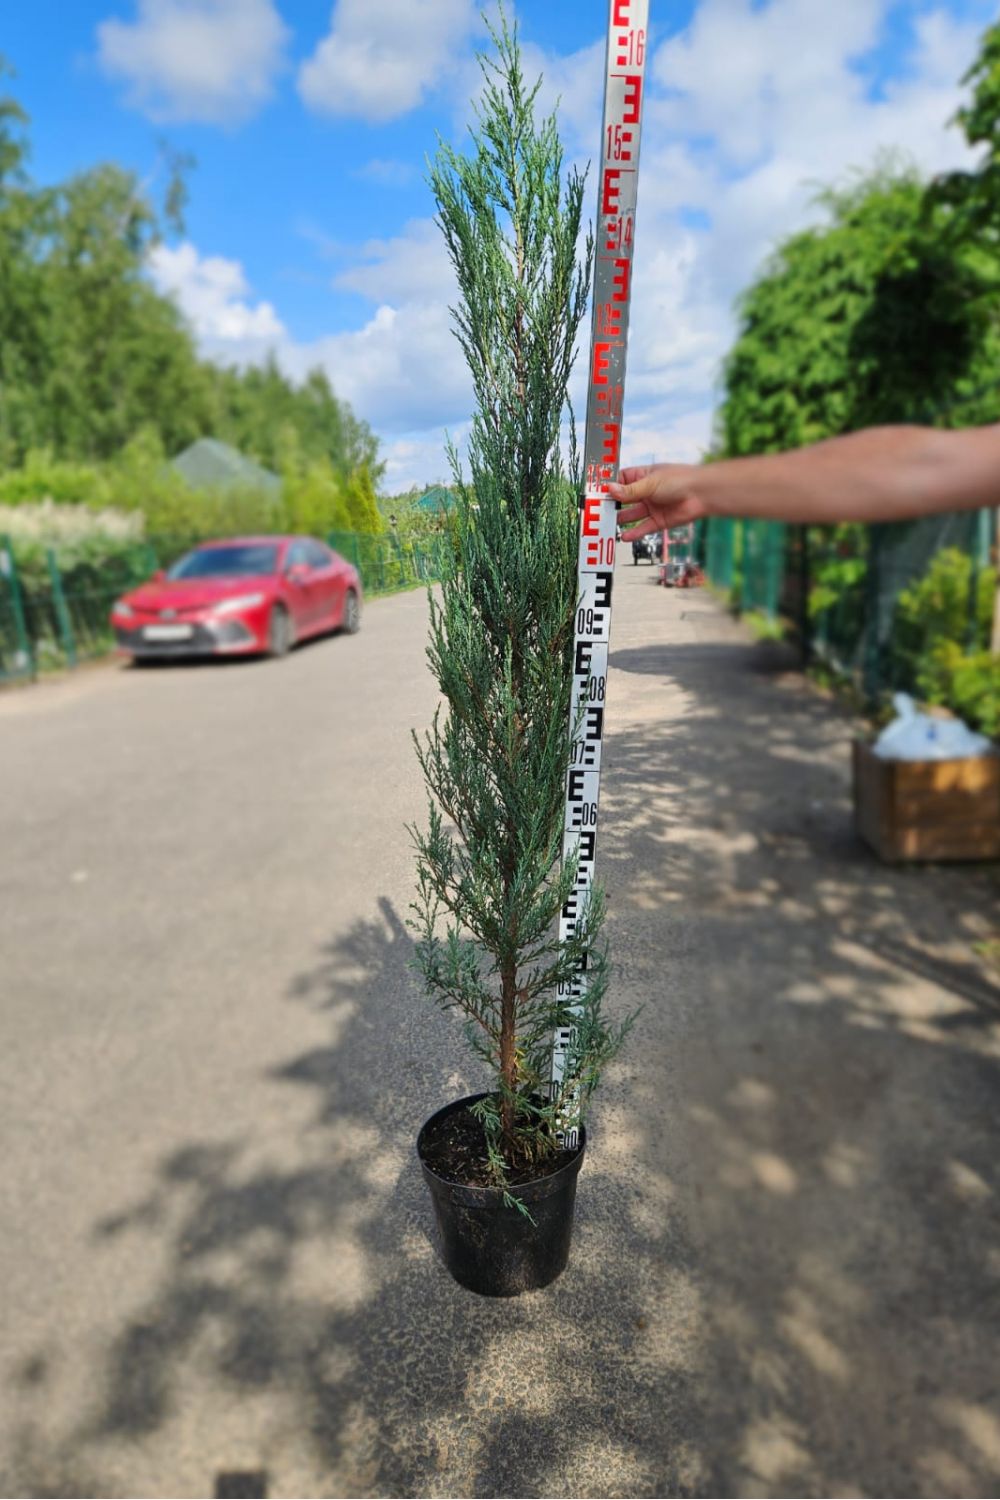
490, 1246
455, 1150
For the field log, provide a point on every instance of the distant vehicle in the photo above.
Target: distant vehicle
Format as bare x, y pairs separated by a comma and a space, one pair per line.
648, 548
244, 595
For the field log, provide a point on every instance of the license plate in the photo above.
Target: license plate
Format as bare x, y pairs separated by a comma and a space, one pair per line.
167, 632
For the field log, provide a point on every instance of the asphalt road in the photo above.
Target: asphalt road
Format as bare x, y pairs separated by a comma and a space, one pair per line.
215, 1260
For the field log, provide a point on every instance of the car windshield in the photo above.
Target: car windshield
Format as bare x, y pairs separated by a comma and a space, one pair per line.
226, 562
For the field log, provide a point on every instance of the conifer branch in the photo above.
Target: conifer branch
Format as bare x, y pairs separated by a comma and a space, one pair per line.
495, 760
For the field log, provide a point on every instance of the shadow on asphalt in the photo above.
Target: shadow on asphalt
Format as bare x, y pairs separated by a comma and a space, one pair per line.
840, 1100
831, 1325
409, 1385
321, 1285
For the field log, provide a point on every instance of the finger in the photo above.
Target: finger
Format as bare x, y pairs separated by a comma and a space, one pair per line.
629, 476
643, 528
633, 489
635, 512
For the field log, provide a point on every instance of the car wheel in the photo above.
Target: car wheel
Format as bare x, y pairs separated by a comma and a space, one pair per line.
351, 622
279, 632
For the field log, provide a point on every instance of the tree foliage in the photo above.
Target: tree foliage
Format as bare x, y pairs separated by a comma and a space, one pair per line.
91, 355
941, 631
495, 760
260, 412
970, 200
875, 316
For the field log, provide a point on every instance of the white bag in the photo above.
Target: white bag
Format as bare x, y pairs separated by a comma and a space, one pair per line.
916, 736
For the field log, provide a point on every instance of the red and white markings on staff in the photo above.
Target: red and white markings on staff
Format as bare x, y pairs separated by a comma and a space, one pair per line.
623, 101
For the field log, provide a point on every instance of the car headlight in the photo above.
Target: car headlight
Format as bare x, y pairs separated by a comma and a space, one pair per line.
234, 606
123, 609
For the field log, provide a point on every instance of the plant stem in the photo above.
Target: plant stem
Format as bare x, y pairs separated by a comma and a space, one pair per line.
508, 1053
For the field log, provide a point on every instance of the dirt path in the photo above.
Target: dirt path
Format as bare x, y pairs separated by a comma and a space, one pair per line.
213, 1239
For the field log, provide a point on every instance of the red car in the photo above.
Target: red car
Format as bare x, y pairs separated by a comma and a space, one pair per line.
240, 596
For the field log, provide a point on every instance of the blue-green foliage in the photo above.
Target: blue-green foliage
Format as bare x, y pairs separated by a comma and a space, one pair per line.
495, 759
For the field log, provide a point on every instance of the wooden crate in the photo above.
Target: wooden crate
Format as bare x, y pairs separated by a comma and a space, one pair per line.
927, 809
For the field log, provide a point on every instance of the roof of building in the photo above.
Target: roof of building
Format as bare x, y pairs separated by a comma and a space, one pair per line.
438, 497
211, 464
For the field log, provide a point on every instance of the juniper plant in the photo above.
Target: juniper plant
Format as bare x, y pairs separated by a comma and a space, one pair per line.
496, 756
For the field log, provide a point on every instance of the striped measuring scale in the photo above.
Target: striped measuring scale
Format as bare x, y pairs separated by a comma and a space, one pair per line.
623, 102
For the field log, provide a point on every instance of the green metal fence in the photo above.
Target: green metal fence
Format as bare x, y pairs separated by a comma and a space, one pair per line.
763, 566
867, 600
54, 613
16, 658
387, 563
723, 550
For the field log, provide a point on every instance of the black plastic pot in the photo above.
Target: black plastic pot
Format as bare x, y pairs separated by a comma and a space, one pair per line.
491, 1248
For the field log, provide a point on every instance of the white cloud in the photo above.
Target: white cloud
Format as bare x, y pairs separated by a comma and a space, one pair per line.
419, 458
388, 172
212, 293
401, 371
411, 267
783, 107
381, 57
573, 87
743, 74
213, 61
685, 436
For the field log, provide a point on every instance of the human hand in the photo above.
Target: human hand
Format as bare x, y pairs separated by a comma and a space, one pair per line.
655, 497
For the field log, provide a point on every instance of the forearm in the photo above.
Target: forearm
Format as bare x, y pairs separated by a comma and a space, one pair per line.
882, 474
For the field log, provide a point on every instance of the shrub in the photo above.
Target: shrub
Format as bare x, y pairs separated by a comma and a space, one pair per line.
495, 761
98, 554
85, 542
42, 477
939, 611
968, 684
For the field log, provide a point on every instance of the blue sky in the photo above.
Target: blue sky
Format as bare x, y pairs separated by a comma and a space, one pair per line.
308, 229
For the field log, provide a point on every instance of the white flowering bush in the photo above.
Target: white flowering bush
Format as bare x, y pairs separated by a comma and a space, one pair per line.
93, 549
49, 524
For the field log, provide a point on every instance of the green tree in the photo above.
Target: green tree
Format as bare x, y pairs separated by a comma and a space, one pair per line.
362, 505
873, 317
314, 500
66, 481
966, 207
970, 200
120, 354
24, 215
255, 408
501, 638
91, 354
939, 619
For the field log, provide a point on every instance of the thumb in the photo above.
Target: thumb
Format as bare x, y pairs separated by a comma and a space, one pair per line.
630, 475
629, 488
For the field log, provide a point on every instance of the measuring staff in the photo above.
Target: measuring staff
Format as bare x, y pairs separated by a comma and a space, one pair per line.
625, 59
